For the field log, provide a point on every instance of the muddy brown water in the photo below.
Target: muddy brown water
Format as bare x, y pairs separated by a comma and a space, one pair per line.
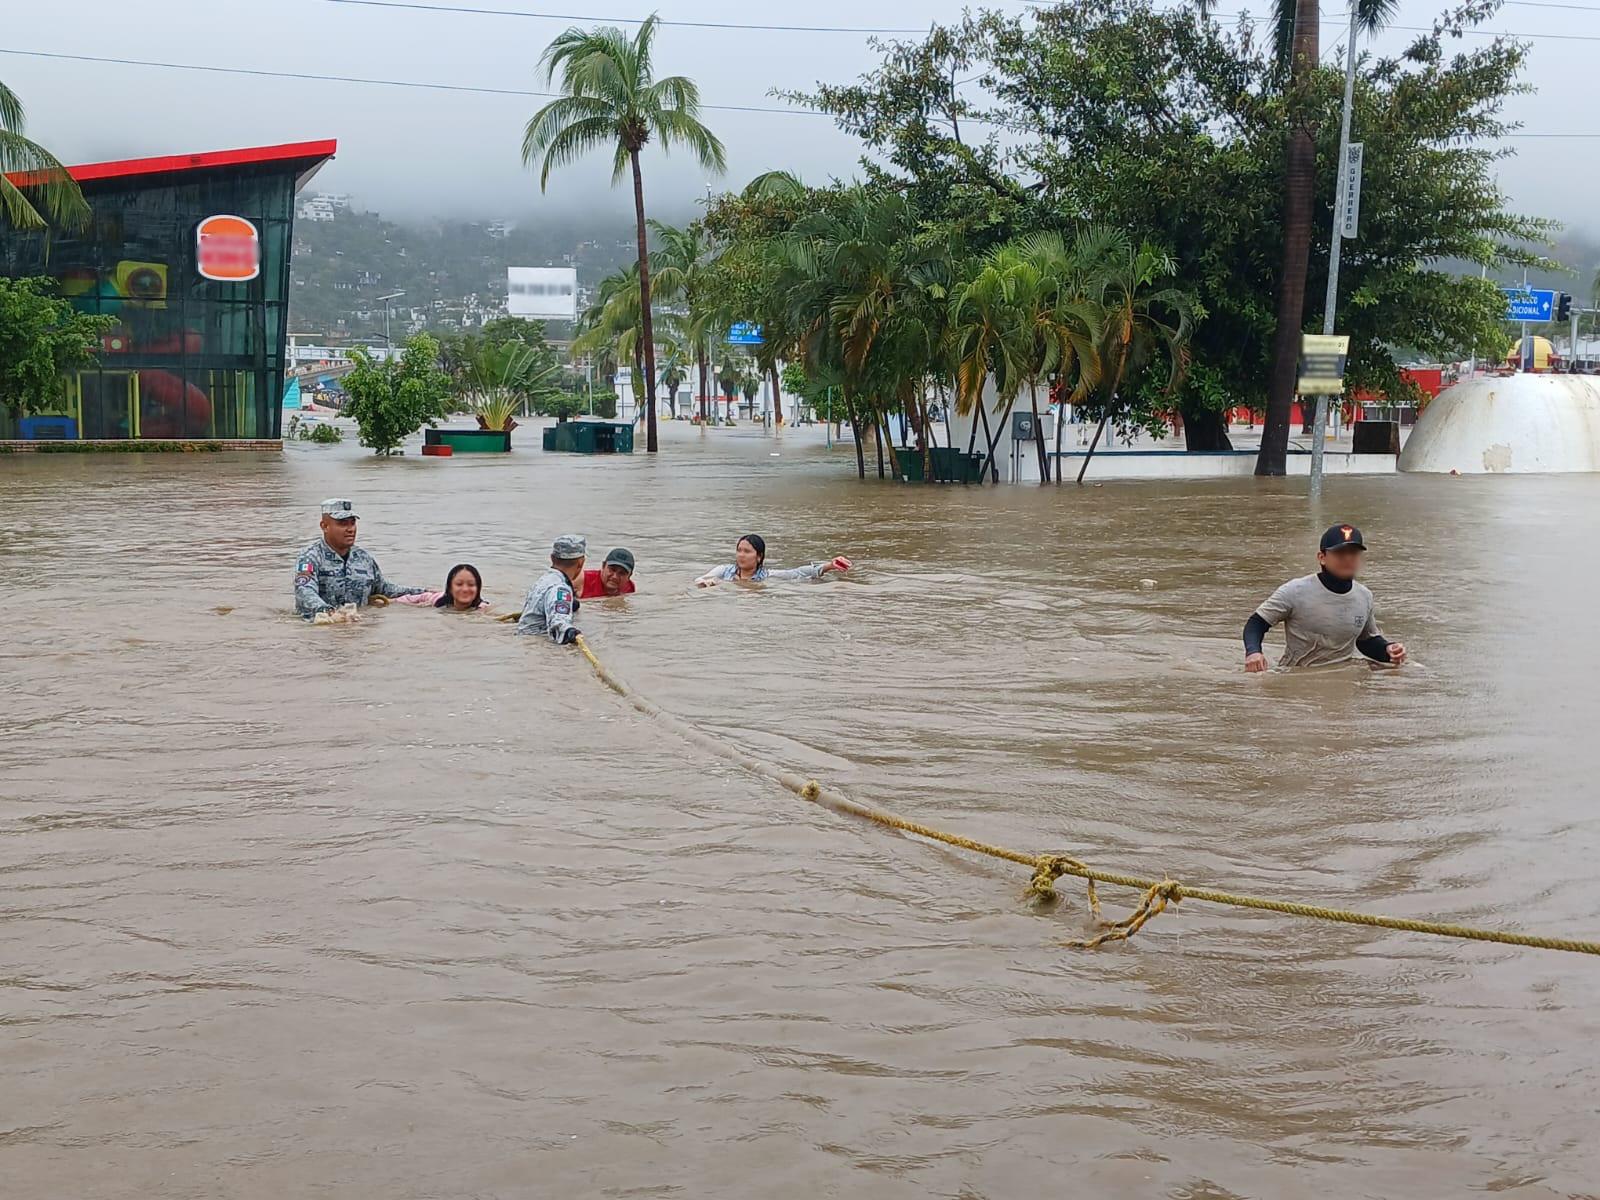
416, 909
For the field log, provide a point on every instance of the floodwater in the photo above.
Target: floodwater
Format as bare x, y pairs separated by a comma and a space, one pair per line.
418, 909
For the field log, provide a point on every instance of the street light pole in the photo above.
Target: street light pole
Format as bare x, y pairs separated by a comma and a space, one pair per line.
1319, 423
387, 340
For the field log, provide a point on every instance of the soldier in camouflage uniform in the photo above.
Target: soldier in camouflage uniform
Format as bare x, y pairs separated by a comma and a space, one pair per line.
552, 602
332, 573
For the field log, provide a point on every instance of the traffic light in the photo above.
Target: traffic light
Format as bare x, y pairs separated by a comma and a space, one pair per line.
1564, 307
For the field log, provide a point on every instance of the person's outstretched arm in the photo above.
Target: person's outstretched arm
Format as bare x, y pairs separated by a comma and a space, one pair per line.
389, 591
714, 576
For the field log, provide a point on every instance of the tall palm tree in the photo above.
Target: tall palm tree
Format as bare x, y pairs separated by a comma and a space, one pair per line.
610, 97
49, 196
1297, 40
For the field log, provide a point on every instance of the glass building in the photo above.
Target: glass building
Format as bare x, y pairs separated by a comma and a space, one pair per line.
197, 351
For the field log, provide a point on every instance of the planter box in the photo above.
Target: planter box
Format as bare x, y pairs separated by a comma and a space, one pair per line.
469, 441
950, 465
590, 437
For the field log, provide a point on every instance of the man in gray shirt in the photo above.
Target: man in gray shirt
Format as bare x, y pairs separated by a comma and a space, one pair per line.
1327, 617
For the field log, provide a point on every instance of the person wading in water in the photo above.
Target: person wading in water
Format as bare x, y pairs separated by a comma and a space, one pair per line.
1327, 617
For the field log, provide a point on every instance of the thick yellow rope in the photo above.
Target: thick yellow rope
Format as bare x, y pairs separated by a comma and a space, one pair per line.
1158, 894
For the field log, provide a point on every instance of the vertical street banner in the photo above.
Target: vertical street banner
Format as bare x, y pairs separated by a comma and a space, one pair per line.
1350, 190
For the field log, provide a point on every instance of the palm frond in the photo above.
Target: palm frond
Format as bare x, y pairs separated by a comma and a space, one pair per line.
44, 194
678, 126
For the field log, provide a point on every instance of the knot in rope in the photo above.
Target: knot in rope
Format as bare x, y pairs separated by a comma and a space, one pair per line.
811, 791
1048, 868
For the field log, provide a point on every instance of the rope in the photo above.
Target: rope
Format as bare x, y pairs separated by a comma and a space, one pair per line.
1157, 894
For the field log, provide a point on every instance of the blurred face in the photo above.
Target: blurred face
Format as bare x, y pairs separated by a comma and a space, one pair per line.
746, 558
612, 579
1343, 563
341, 535
463, 589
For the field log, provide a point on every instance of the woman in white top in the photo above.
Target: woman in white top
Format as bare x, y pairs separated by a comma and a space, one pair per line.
749, 565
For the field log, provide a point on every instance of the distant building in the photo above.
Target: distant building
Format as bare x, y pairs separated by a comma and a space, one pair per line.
500, 230
323, 206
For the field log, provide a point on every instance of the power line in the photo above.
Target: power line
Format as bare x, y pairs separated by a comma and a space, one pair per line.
408, 83
587, 19
478, 89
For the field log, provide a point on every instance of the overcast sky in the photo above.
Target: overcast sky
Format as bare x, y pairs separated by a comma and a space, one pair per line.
409, 152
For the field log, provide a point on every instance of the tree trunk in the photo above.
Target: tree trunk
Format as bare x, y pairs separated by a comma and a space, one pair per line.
1205, 430
777, 397
1101, 428
855, 426
703, 362
1038, 435
1299, 178
994, 438
647, 325
877, 437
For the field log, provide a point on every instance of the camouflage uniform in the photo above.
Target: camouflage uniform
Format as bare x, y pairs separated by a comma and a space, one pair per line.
552, 602
550, 607
323, 580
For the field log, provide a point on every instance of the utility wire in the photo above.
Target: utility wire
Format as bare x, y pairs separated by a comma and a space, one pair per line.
589, 19
478, 89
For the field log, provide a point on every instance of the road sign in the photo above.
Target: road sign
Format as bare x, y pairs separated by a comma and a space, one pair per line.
743, 333
1322, 359
1529, 304
1350, 195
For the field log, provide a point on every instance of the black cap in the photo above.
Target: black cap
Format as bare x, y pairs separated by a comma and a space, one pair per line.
621, 558
1342, 537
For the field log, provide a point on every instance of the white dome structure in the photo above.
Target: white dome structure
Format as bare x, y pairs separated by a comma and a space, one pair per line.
1514, 424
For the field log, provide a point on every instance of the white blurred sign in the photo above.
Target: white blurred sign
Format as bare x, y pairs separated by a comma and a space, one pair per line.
544, 293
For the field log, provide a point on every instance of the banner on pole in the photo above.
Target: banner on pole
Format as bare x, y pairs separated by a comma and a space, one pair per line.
1322, 361
1350, 192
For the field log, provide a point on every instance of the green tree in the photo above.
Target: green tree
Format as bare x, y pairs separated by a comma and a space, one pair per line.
504, 378
610, 97
46, 194
391, 400
1142, 322
1172, 130
683, 277
41, 338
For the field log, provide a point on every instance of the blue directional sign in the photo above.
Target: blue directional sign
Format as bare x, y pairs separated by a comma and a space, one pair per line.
1529, 304
746, 334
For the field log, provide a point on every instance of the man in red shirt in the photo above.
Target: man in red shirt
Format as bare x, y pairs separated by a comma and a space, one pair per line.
614, 578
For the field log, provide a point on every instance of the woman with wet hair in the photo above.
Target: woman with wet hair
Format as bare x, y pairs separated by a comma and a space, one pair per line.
749, 565
463, 591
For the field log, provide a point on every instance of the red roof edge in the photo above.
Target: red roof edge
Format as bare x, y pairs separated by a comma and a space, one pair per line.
166, 164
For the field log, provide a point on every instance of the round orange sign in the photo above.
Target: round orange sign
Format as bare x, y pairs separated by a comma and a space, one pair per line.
227, 249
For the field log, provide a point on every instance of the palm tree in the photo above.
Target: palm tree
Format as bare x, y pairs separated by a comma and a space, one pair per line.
674, 363
1142, 320
685, 259
48, 195
861, 294
1296, 38
610, 97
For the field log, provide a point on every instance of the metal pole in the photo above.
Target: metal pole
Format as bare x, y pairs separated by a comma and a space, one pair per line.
1319, 423
1524, 349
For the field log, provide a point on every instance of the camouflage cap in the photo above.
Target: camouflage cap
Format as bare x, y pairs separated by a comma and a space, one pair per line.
339, 510
569, 546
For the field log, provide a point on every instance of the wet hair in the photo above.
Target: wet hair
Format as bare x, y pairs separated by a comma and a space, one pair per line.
759, 545
447, 600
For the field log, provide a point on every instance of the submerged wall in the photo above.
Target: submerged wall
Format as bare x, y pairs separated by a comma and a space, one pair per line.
1512, 424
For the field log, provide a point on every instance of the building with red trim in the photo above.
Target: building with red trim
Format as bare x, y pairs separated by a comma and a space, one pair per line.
189, 254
